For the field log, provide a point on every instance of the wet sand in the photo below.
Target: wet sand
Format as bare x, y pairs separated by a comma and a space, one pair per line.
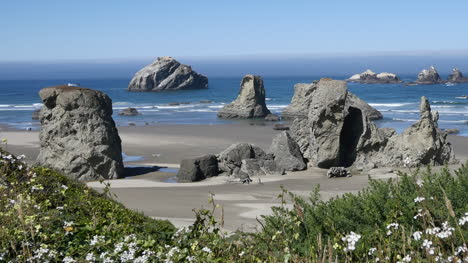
164, 146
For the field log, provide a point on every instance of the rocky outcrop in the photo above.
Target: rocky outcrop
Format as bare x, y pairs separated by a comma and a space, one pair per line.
429, 76
456, 77
370, 77
302, 98
129, 112
78, 135
35, 115
167, 74
338, 172
336, 134
286, 152
250, 103
272, 117
197, 169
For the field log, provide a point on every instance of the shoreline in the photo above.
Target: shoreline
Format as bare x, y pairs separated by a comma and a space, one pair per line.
166, 145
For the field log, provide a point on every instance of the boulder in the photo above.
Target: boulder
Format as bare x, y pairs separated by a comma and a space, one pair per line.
280, 127
456, 76
197, 169
250, 102
36, 114
272, 117
303, 94
129, 112
167, 74
370, 77
452, 131
78, 136
287, 154
336, 134
338, 172
429, 76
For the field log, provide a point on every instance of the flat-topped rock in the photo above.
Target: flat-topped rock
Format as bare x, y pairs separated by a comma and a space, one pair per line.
78, 136
167, 73
370, 77
250, 103
129, 112
429, 76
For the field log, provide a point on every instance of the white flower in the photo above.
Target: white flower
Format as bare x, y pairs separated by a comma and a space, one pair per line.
461, 249
90, 257
190, 258
97, 239
419, 199
20, 167
68, 260
420, 182
426, 244
207, 250
241, 253
59, 208
433, 231
372, 251
64, 187
447, 230
417, 235
351, 239
22, 156
68, 223
462, 221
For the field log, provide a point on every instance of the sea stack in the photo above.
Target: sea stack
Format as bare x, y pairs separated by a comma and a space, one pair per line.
456, 76
250, 102
370, 77
303, 94
167, 73
78, 136
429, 76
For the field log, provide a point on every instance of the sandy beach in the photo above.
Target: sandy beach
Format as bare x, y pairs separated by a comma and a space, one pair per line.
147, 189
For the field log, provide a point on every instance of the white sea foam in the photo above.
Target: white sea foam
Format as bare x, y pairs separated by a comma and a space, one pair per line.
275, 107
216, 107
389, 104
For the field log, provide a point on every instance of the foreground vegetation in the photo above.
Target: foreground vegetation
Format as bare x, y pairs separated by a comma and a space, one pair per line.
421, 217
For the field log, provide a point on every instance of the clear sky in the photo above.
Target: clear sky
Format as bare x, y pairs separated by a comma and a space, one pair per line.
38, 30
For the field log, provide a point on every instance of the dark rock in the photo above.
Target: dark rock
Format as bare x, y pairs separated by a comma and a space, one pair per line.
131, 124
452, 131
78, 136
370, 77
456, 77
272, 117
280, 127
173, 104
129, 112
197, 169
429, 76
167, 74
250, 102
287, 154
36, 114
206, 101
338, 172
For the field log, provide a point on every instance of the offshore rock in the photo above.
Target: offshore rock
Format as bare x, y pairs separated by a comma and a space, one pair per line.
78, 136
429, 76
370, 77
250, 103
272, 117
167, 74
197, 169
302, 98
129, 112
456, 76
35, 115
287, 154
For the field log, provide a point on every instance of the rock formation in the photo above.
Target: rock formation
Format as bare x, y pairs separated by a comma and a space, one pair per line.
167, 74
287, 154
78, 135
272, 117
338, 172
456, 76
197, 169
336, 134
250, 102
370, 77
129, 112
303, 94
35, 115
429, 76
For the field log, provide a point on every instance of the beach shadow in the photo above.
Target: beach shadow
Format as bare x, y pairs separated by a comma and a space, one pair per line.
131, 171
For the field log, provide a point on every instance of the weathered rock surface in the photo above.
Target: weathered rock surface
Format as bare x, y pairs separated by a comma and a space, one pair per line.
35, 115
302, 98
78, 135
370, 77
250, 102
287, 154
167, 74
336, 134
429, 76
272, 117
129, 112
197, 169
338, 172
456, 76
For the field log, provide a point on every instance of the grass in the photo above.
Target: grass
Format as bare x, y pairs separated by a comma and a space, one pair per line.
420, 217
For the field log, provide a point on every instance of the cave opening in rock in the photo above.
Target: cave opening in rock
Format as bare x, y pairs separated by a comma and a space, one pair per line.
349, 137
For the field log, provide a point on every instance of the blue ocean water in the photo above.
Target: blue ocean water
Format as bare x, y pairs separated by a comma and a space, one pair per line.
397, 102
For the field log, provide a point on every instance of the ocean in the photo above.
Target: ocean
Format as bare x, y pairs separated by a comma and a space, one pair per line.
398, 103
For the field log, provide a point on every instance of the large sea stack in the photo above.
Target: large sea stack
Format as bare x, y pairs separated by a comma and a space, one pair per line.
429, 76
78, 136
250, 102
370, 77
337, 134
303, 94
456, 76
167, 74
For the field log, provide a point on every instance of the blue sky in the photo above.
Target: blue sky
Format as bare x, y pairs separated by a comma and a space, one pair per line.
87, 30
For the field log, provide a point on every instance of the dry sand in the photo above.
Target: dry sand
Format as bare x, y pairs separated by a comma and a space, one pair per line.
241, 204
